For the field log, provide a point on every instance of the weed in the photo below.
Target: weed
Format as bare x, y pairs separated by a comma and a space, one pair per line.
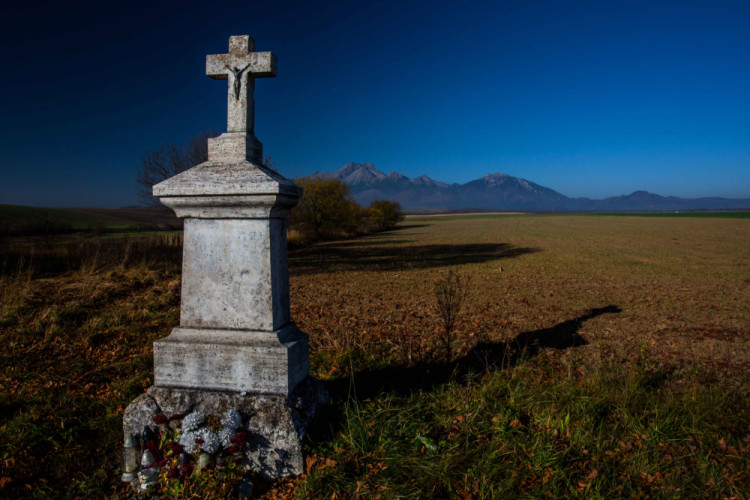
450, 294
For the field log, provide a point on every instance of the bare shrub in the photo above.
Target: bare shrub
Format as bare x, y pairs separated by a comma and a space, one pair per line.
450, 294
170, 160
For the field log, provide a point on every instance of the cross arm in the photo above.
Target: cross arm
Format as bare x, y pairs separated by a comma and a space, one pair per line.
260, 64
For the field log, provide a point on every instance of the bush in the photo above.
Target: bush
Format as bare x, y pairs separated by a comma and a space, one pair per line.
325, 211
384, 213
325, 208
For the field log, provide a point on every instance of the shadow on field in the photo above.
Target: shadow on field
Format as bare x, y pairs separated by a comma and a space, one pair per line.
391, 255
484, 357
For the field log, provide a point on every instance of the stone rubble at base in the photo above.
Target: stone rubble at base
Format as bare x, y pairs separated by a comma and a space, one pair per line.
276, 424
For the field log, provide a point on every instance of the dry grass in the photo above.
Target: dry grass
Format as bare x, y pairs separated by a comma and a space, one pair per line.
564, 307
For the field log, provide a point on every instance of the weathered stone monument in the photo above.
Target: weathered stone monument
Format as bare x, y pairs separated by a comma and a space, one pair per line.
236, 347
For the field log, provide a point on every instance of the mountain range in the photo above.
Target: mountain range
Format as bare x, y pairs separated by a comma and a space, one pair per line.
500, 191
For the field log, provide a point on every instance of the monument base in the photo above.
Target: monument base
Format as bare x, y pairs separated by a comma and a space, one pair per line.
275, 424
232, 360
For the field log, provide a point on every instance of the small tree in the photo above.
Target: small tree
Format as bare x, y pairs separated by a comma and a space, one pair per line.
168, 161
384, 213
450, 293
324, 208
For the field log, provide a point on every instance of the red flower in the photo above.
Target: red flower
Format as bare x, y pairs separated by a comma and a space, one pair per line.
240, 437
186, 470
176, 416
176, 448
162, 463
199, 441
160, 419
173, 473
233, 449
223, 463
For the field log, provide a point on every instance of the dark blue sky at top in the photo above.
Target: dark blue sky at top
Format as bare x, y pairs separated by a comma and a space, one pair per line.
588, 98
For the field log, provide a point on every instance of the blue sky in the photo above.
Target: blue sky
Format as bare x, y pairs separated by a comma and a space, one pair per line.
588, 98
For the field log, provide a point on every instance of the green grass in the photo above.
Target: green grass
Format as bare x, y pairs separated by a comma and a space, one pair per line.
536, 431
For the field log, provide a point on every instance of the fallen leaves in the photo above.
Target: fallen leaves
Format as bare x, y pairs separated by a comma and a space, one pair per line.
318, 463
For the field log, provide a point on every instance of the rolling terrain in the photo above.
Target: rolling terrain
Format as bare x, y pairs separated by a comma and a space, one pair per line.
17, 219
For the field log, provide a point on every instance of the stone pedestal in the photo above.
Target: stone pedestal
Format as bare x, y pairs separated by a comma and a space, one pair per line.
235, 330
236, 346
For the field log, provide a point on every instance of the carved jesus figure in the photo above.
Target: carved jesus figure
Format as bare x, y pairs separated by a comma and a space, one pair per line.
237, 79
244, 66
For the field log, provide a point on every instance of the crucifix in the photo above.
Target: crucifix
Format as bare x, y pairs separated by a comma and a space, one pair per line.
241, 66
236, 346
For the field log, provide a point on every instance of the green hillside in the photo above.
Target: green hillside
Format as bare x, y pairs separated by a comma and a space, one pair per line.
21, 218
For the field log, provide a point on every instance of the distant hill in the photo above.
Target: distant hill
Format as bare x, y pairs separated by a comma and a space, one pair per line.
159, 216
500, 191
17, 219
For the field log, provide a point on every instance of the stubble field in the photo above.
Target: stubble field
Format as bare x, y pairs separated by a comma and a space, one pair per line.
593, 356
682, 285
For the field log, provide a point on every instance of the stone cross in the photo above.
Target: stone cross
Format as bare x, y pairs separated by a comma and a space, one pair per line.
236, 345
241, 66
